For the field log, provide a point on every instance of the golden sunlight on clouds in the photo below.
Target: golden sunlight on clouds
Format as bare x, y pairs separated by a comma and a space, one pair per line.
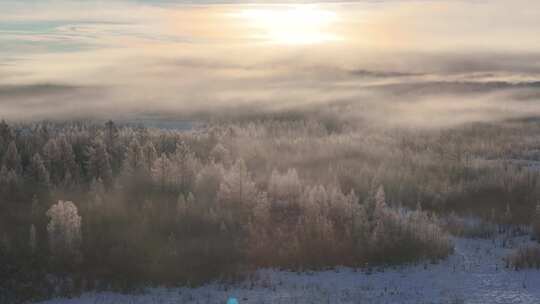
203, 57
288, 24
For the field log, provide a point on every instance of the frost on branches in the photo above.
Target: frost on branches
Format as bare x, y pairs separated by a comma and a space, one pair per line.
64, 229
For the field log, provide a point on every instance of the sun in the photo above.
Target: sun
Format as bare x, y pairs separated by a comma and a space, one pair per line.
291, 24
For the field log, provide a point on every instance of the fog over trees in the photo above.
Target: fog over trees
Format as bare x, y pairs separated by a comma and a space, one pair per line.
117, 207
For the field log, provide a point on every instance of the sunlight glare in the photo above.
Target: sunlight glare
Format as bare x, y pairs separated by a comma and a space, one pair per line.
292, 24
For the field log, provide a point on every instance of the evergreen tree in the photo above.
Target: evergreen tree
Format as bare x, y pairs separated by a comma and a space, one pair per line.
207, 183
162, 171
149, 156
6, 136
99, 166
12, 159
220, 154
9, 183
70, 174
285, 187
38, 174
134, 159
237, 186
53, 160
114, 147
111, 133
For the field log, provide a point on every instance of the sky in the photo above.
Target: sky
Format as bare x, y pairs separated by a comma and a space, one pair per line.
417, 62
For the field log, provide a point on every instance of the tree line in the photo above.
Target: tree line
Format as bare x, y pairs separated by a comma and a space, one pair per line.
87, 205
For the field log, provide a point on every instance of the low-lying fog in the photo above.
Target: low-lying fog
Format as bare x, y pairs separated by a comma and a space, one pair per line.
417, 63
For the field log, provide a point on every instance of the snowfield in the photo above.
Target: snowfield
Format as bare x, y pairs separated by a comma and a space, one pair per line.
475, 273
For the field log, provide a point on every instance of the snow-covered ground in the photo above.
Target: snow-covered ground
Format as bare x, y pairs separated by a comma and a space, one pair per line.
475, 273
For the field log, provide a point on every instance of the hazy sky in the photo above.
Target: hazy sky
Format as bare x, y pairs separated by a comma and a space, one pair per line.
113, 59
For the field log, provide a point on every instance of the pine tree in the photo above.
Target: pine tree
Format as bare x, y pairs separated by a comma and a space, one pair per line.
134, 159
53, 160
185, 166
111, 133
6, 136
285, 187
114, 147
380, 205
38, 174
207, 183
99, 166
380, 197
220, 154
9, 182
12, 159
315, 200
237, 186
70, 174
162, 171
149, 156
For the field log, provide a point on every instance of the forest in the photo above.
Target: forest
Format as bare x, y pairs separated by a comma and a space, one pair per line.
89, 205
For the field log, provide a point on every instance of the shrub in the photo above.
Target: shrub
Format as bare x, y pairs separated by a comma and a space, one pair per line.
524, 257
536, 223
468, 227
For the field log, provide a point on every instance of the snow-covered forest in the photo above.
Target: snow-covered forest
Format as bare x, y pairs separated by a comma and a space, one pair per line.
269, 152
102, 206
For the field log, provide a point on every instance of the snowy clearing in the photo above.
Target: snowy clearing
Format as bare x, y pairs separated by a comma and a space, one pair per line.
475, 273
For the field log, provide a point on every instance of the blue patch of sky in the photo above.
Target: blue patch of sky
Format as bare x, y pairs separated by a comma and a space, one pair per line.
20, 36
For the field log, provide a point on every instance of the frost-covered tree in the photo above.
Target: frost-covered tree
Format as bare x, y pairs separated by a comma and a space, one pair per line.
380, 203
115, 147
185, 167
220, 154
184, 204
207, 183
341, 208
97, 193
9, 182
12, 159
111, 133
98, 165
162, 171
237, 186
133, 159
38, 173
70, 168
286, 187
6, 136
149, 156
53, 160
64, 229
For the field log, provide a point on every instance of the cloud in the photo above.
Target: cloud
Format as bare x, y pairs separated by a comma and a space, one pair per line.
398, 66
